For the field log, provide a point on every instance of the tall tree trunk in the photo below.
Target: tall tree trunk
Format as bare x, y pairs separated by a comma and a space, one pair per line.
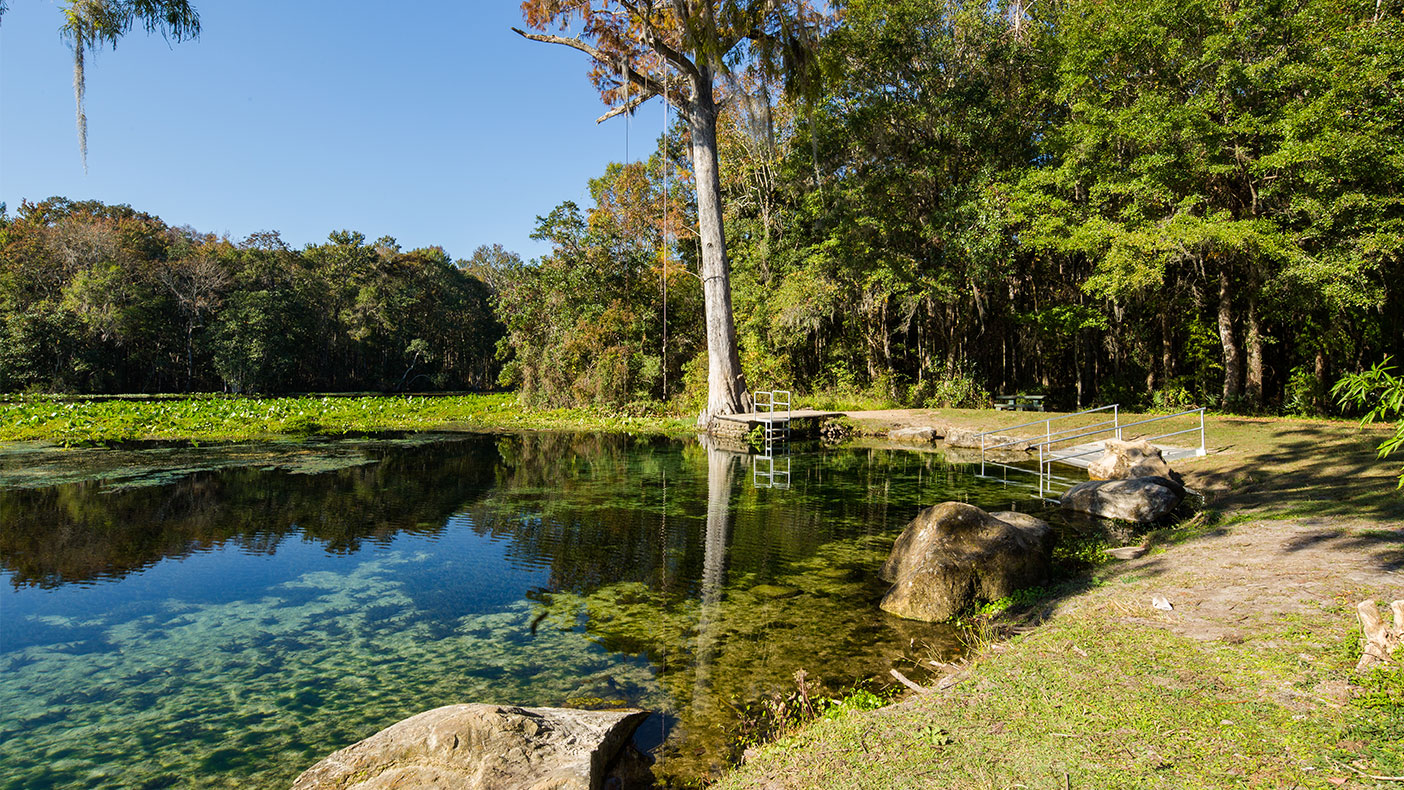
1253, 384
1233, 354
726, 385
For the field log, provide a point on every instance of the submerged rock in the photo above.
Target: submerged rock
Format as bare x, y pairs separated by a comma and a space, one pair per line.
1127, 459
1139, 499
953, 554
773, 591
491, 746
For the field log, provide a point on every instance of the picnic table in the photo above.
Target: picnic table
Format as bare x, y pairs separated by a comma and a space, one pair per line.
1019, 402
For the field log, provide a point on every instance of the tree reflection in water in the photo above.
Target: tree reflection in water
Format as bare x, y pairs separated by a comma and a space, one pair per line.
545, 569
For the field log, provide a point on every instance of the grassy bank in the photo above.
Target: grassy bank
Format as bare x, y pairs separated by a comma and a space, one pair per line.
1101, 702
239, 418
1247, 682
1256, 466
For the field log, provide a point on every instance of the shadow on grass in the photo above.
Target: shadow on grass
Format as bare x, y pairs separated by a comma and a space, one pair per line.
1380, 548
1385, 545
1297, 469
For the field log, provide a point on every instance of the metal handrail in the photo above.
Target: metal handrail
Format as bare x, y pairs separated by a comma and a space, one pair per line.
1114, 407
1045, 476
1123, 426
1199, 411
1048, 437
1047, 455
771, 401
1048, 441
777, 426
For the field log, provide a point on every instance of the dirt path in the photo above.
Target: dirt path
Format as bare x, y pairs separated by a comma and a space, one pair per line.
1237, 583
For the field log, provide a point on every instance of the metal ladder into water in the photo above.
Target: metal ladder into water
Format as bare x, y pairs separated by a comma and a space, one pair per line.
765, 473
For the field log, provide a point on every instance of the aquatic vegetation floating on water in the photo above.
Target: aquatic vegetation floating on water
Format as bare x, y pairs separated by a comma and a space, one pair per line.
233, 418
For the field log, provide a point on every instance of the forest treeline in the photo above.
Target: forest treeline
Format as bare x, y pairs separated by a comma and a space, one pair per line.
106, 299
1156, 202
1150, 202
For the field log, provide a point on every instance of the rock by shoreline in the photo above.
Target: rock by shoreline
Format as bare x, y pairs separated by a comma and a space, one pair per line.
491, 746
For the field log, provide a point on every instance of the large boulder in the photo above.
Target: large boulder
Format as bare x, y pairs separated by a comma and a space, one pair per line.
953, 554
961, 437
915, 434
1139, 499
488, 746
1127, 459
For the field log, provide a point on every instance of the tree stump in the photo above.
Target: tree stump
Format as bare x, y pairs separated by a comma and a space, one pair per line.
1380, 639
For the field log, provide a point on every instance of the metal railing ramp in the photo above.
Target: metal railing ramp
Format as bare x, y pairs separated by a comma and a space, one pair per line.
1077, 447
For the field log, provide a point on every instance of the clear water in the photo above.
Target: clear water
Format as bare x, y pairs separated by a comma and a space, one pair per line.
232, 627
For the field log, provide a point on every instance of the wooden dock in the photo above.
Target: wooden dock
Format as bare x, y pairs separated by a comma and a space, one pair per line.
754, 418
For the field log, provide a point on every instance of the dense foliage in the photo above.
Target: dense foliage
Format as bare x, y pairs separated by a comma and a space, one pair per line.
101, 299
1152, 202
1380, 393
1157, 203
585, 323
1200, 200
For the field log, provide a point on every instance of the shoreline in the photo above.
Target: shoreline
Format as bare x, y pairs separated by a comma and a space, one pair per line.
1269, 484
1248, 681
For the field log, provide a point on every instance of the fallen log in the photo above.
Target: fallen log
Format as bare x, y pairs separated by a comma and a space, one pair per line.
1381, 640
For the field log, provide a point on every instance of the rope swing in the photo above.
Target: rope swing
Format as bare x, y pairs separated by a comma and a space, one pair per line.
663, 165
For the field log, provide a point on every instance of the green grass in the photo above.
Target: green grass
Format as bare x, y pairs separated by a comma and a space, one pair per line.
1093, 703
215, 418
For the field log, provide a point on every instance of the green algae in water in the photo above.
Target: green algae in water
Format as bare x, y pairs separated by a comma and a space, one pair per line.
232, 627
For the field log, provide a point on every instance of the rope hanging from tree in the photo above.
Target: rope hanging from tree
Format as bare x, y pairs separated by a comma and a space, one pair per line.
663, 241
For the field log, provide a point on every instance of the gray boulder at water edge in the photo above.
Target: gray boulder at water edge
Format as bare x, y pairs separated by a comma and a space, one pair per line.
916, 435
1124, 460
490, 746
954, 554
1140, 499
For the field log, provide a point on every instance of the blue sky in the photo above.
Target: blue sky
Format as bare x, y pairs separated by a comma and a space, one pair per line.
426, 120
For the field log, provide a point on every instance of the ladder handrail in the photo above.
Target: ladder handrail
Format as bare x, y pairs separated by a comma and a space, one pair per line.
772, 401
777, 425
